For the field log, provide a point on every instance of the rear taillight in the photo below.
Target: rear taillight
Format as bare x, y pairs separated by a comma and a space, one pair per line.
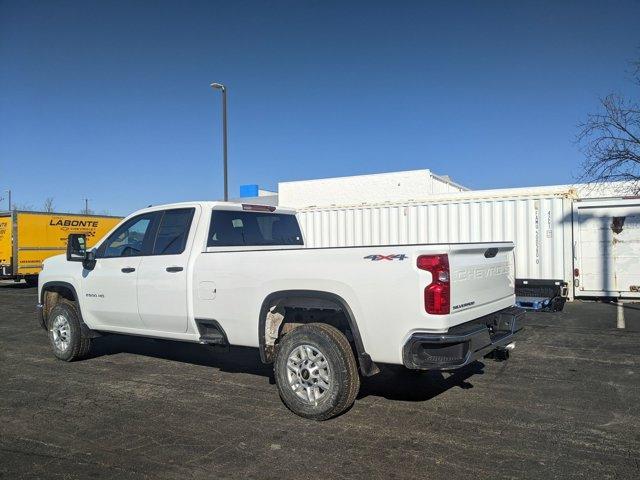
437, 294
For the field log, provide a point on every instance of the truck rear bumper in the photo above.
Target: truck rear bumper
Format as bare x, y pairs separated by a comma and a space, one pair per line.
463, 343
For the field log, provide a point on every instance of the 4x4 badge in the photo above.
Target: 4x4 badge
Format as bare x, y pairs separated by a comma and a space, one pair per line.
376, 258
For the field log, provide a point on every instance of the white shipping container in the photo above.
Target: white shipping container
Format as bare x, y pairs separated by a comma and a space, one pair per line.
538, 220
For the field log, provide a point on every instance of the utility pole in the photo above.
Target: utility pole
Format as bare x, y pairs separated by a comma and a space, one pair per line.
86, 206
223, 89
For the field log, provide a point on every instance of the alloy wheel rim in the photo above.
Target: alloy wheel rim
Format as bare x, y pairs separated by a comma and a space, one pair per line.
308, 373
61, 331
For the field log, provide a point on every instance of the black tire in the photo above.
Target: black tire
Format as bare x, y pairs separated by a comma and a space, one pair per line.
77, 345
344, 382
557, 304
31, 280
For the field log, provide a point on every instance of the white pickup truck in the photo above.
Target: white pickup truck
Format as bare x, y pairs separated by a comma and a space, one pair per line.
236, 274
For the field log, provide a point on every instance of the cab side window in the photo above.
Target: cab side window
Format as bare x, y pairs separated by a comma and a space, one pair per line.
132, 239
232, 228
173, 231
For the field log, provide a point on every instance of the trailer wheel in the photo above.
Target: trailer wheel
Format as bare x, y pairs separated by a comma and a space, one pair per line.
32, 280
65, 332
316, 371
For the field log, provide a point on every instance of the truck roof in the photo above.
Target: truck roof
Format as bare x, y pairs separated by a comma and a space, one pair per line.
218, 205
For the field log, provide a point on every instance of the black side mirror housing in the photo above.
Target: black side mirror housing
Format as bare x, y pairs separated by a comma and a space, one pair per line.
76, 247
77, 251
89, 260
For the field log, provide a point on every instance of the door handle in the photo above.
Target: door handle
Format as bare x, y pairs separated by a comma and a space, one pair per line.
128, 270
174, 269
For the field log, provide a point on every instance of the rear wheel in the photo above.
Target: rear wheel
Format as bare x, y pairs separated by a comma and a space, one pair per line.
316, 372
31, 280
65, 333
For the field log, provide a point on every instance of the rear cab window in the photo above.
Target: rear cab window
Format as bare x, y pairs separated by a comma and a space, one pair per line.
235, 228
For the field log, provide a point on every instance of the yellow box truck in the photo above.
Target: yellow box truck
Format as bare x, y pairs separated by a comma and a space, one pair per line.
28, 238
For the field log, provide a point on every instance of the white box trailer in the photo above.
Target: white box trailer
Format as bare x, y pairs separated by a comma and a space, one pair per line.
539, 220
606, 233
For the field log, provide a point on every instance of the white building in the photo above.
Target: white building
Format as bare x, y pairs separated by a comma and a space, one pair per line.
365, 189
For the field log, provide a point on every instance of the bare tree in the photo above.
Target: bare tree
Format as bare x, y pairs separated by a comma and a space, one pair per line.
610, 140
48, 205
23, 207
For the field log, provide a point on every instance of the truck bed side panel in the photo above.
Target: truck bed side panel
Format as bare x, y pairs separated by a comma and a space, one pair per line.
382, 285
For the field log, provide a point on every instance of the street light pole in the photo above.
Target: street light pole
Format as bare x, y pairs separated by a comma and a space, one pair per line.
223, 90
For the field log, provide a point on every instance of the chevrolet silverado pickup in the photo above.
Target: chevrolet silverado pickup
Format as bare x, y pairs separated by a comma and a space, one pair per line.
222, 273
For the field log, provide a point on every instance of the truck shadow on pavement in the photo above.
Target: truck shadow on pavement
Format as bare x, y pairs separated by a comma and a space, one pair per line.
392, 383
398, 383
232, 359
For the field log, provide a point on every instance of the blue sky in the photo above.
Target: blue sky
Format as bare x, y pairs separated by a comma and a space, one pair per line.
111, 100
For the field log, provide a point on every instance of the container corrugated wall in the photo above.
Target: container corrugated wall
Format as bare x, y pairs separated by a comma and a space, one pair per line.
536, 225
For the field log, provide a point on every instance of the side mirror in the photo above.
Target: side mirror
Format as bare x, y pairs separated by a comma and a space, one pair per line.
89, 260
76, 247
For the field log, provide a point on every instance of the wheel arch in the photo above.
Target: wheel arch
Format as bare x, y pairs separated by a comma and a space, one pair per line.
61, 288
366, 365
67, 291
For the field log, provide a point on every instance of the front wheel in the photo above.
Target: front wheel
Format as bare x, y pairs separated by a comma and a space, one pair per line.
65, 333
316, 372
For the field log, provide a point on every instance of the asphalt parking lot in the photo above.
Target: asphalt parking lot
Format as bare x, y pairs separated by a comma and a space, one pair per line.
565, 405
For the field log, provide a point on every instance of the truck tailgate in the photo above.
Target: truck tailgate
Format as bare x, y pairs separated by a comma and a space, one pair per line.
481, 274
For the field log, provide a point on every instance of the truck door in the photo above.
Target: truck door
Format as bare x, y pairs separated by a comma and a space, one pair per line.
110, 289
162, 276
